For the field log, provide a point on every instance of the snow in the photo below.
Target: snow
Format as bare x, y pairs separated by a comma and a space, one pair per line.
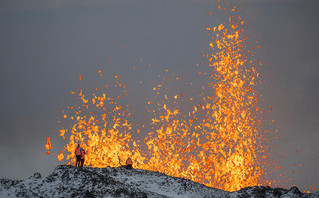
165, 185
69, 181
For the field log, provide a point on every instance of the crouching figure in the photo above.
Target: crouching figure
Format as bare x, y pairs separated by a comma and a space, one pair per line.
129, 163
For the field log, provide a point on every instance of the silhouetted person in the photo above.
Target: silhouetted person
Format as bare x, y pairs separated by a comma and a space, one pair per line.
78, 155
129, 163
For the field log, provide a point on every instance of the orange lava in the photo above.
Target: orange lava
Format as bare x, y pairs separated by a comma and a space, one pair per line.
216, 143
48, 145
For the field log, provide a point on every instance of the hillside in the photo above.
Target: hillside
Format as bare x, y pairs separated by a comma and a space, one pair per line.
69, 181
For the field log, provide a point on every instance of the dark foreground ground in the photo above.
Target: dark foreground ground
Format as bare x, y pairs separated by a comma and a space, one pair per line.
69, 181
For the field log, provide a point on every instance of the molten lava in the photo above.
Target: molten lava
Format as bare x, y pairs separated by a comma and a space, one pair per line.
217, 142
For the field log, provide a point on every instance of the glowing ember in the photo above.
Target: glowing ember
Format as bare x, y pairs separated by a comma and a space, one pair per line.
216, 143
60, 156
48, 145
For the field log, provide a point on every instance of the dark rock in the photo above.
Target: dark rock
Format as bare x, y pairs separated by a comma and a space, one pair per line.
8, 183
294, 190
69, 181
35, 176
122, 192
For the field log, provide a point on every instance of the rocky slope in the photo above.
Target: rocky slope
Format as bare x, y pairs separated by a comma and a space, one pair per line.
69, 181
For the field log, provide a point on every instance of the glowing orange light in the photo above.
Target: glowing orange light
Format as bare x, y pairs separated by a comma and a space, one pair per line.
214, 143
48, 144
60, 156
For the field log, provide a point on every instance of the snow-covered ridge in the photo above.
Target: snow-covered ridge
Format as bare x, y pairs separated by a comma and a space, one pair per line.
69, 181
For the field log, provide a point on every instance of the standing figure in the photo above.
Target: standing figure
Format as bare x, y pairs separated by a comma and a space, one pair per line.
83, 157
129, 163
78, 155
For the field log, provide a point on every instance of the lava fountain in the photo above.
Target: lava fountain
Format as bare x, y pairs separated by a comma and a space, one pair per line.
235, 115
217, 142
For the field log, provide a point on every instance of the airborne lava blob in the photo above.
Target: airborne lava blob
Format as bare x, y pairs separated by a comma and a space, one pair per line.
217, 142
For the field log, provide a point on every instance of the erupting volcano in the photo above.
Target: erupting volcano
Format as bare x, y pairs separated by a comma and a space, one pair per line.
218, 142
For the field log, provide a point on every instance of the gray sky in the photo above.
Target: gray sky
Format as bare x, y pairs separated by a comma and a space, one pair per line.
46, 45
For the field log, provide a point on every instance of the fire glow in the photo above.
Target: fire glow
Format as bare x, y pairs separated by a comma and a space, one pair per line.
216, 143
